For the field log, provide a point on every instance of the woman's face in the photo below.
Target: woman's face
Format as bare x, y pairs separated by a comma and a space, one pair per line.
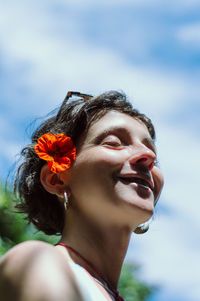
114, 177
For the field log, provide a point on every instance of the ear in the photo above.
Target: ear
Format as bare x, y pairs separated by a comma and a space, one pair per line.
54, 183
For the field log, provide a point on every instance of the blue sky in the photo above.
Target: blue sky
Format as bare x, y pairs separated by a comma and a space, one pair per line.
151, 50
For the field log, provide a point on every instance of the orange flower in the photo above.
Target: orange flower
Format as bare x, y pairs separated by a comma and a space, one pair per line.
58, 150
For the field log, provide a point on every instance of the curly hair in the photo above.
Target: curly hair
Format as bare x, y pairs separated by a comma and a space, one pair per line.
73, 119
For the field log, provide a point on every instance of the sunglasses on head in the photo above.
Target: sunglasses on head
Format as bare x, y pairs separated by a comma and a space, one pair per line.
74, 93
69, 95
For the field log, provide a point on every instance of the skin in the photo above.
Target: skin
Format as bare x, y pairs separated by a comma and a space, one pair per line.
106, 201
36, 271
103, 210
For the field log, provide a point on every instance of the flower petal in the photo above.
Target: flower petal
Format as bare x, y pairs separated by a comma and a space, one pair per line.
45, 146
42, 154
56, 167
64, 144
46, 142
58, 150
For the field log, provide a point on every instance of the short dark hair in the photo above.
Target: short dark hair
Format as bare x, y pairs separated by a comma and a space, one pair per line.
73, 119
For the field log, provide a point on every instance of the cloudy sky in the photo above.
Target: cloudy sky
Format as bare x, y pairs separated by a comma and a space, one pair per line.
150, 49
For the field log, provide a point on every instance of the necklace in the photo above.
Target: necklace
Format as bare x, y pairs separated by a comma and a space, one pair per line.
106, 285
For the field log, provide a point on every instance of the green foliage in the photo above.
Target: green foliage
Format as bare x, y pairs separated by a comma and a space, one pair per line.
14, 229
130, 287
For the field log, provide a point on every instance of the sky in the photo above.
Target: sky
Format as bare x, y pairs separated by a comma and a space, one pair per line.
149, 49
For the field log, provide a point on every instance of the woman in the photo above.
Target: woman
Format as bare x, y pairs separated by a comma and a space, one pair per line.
91, 175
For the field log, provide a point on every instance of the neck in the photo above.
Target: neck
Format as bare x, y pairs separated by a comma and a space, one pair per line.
104, 246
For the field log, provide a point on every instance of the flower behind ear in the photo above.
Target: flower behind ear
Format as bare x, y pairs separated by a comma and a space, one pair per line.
58, 150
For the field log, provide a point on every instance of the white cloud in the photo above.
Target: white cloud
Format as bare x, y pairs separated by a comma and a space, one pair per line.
166, 258
179, 149
53, 63
167, 4
8, 148
189, 3
189, 34
169, 252
48, 61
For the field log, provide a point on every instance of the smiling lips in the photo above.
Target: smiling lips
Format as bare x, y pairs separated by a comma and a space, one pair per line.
142, 181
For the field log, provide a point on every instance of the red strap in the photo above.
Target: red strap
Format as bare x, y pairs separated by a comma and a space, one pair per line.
116, 292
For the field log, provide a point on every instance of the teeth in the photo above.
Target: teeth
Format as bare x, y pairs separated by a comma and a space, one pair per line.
135, 180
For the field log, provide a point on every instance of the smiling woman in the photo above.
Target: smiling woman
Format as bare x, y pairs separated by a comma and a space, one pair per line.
90, 174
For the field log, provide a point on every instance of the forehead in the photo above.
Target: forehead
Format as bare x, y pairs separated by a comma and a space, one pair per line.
114, 120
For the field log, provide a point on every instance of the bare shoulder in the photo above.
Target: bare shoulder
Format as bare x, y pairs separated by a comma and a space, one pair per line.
25, 249
36, 270
22, 253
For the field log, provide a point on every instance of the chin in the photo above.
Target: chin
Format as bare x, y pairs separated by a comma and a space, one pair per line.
143, 204
137, 199
146, 218
140, 209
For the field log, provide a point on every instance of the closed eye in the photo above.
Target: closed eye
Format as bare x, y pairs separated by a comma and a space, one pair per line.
112, 141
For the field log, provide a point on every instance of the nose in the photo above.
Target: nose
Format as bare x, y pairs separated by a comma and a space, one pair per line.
143, 157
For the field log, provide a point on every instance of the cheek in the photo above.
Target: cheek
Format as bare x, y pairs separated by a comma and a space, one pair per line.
93, 172
158, 181
100, 158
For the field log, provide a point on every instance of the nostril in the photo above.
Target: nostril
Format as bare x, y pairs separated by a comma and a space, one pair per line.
151, 165
141, 160
147, 162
